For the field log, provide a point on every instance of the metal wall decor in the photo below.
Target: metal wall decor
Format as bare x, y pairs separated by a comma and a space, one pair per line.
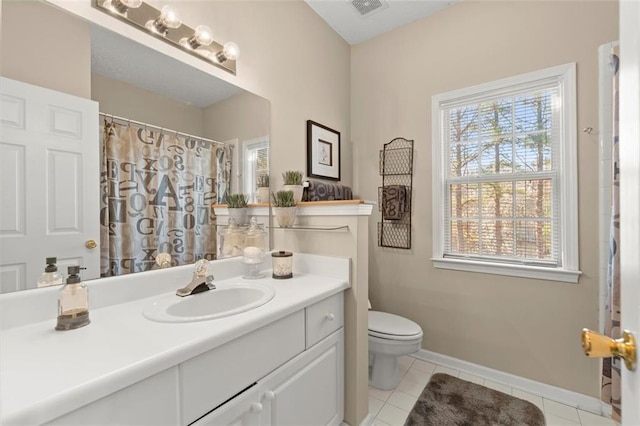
394, 196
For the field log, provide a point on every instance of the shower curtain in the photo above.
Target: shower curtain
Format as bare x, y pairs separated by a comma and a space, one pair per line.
156, 192
611, 366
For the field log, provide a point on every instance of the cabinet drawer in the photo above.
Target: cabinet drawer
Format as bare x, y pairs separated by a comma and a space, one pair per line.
323, 318
215, 376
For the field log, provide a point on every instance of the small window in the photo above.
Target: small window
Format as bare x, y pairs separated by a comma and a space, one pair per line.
256, 163
504, 175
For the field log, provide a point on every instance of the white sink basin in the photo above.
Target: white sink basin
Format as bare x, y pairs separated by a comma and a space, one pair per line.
224, 301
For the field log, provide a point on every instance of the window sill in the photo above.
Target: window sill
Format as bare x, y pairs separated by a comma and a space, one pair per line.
536, 272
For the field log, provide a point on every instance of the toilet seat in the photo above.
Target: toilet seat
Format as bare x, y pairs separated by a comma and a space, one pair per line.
392, 327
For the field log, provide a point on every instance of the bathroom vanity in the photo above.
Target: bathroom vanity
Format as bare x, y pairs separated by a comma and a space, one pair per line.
280, 363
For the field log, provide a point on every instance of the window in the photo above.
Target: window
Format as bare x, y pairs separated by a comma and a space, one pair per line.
504, 176
256, 162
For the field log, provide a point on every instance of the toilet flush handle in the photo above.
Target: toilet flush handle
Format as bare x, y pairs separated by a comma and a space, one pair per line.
330, 316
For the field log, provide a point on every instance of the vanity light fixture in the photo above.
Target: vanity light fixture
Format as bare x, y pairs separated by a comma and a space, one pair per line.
166, 25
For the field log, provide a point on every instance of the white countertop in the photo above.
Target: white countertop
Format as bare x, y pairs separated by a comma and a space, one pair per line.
46, 373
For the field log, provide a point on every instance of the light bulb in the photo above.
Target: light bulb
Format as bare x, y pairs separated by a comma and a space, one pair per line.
202, 36
230, 51
168, 19
133, 4
121, 6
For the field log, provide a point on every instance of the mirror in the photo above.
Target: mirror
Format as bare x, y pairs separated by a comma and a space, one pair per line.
167, 107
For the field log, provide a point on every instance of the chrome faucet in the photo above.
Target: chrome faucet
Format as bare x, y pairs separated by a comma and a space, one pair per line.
201, 281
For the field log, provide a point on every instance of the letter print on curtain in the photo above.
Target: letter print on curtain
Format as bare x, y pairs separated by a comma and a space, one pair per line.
156, 192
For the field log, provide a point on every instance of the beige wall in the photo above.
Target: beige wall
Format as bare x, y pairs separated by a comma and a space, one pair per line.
51, 48
124, 100
290, 56
244, 117
526, 327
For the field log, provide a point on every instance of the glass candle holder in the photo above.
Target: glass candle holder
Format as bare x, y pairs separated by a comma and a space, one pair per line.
282, 264
253, 257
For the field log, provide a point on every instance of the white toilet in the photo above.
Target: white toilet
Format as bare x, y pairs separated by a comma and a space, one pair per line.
390, 336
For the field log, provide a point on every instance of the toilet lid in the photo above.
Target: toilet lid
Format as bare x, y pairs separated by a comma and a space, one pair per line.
382, 323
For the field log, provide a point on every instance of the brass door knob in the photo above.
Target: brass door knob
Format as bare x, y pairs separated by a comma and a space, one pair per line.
90, 244
596, 345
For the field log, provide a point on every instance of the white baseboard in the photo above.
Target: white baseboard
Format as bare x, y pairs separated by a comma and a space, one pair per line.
564, 396
368, 421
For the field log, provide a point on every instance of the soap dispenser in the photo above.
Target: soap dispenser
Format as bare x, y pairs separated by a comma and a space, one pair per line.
73, 302
51, 275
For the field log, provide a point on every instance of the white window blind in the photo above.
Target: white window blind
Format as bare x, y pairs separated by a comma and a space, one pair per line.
501, 179
256, 163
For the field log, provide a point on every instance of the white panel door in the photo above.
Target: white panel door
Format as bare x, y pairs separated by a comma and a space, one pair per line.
309, 389
49, 183
630, 196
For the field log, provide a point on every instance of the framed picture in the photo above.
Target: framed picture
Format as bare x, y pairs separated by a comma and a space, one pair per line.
323, 151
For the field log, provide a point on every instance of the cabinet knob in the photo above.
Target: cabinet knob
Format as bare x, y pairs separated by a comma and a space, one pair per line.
269, 395
330, 316
256, 407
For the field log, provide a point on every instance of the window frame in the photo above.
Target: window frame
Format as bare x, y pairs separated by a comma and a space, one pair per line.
249, 171
564, 76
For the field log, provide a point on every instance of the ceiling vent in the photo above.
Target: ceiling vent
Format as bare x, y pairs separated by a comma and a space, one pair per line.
367, 7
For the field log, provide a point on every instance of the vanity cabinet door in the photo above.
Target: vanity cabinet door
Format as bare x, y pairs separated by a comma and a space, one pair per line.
210, 379
309, 389
243, 410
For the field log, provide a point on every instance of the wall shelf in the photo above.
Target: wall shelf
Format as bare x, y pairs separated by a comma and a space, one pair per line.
315, 228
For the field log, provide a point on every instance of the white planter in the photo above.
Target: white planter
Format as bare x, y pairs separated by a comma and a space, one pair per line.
263, 195
285, 216
240, 215
297, 191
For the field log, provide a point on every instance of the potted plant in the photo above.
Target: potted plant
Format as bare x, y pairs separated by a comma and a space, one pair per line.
263, 188
237, 205
284, 208
293, 182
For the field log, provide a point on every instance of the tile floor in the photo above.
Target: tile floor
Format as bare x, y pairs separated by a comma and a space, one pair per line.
391, 408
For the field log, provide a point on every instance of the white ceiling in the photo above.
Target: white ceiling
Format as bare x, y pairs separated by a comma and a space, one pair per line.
355, 28
122, 59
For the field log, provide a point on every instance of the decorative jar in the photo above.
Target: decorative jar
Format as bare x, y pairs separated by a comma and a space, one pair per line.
282, 264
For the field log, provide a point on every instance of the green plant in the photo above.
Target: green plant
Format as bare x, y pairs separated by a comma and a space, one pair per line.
283, 199
263, 181
236, 201
292, 177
